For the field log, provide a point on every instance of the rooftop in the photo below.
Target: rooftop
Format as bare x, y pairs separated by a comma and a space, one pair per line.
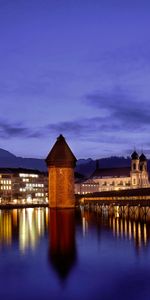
111, 172
61, 154
20, 170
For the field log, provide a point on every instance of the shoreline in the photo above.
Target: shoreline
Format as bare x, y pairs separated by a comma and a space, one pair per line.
16, 206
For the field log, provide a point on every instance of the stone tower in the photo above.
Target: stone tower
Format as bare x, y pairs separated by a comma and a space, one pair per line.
61, 163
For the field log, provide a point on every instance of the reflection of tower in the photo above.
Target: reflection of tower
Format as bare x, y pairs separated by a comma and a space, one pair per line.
61, 163
62, 251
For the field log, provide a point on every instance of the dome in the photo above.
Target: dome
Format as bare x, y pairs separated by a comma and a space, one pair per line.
134, 155
143, 157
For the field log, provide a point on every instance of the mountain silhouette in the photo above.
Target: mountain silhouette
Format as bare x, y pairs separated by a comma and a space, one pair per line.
9, 160
84, 166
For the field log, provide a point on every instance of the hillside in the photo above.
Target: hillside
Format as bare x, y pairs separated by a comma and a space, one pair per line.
84, 166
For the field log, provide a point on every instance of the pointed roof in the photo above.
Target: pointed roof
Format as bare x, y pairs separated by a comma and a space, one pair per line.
134, 155
60, 154
143, 157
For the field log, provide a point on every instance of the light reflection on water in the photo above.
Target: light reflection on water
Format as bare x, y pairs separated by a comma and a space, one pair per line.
126, 228
31, 224
27, 225
67, 254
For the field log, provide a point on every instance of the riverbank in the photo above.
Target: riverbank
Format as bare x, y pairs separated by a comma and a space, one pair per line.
15, 206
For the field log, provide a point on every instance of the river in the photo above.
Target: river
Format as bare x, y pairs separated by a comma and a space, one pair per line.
70, 255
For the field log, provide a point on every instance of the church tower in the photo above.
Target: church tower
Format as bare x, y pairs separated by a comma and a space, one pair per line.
143, 170
134, 162
143, 163
61, 163
135, 170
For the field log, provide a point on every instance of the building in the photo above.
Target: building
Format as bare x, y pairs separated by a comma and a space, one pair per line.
61, 163
83, 186
23, 186
135, 176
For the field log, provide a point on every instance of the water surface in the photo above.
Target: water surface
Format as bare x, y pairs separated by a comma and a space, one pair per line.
71, 255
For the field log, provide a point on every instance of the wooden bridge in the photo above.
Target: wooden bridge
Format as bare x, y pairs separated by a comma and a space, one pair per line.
133, 203
132, 197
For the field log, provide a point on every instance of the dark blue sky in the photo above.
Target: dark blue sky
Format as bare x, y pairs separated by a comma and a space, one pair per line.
80, 68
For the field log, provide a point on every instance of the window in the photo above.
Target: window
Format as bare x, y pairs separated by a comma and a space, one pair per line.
134, 166
134, 181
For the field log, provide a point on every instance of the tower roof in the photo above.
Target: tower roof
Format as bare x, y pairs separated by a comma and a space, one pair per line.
143, 157
60, 154
134, 155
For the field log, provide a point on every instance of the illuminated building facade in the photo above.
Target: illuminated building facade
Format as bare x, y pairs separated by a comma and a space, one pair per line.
135, 176
86, 186
23, 186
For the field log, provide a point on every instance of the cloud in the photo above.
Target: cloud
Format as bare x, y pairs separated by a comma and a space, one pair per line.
122, 60
14, 130
77, 128
123, 108
121, 121
94, 130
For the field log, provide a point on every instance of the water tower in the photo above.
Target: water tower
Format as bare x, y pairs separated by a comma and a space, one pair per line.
61, 163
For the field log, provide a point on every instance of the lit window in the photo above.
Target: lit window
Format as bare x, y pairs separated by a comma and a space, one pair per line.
134, 181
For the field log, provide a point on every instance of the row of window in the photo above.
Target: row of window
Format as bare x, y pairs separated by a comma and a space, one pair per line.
90, 185
39, 194
34, 185
28, 175
115, 183
5, 187
29, 189
5, 181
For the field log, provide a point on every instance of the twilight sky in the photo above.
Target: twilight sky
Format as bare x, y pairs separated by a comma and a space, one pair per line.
76, 67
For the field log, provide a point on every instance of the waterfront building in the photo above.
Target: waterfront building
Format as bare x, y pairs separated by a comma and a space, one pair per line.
135, 176
86, 186
23, 186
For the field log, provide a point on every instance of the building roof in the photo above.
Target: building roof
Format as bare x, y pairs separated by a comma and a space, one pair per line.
20, 170
111, 172
143, 157
134, 155
86, 181
61, 155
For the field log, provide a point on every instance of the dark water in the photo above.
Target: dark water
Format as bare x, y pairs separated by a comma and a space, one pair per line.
66, 255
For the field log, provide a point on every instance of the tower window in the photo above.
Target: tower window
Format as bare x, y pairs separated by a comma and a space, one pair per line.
134, 181
134, 166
